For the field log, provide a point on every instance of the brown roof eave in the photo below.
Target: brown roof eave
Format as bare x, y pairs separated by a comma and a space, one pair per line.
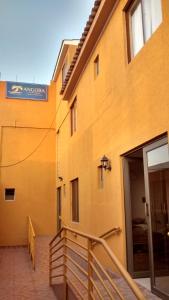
105, 10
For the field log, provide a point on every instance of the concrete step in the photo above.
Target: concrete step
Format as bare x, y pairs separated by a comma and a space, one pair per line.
118, 280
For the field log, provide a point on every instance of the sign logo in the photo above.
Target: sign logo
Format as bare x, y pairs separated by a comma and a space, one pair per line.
16, 89
28, 91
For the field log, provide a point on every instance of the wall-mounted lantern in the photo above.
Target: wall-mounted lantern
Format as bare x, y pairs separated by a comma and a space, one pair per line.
105, 163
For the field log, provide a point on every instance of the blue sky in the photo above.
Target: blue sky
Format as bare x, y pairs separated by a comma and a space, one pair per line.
31, 34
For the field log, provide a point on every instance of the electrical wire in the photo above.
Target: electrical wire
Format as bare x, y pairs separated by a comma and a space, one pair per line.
37, 147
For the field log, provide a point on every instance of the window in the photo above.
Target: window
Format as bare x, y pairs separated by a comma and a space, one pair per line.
9, 194
75, 200
96, 66
144, 17
73, 116
64, 71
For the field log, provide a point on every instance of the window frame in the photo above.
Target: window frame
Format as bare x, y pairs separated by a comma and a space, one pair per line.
75, 216
129, 9
59, 207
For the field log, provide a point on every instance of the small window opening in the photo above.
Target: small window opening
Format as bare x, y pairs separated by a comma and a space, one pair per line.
96, 66
10, 194
65, 69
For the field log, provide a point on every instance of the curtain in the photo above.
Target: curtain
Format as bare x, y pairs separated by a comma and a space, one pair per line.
156, 13
145, 19
137, 29
147, 22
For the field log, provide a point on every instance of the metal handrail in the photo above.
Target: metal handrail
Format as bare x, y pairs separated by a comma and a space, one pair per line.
31, 241
91, 267
114, 230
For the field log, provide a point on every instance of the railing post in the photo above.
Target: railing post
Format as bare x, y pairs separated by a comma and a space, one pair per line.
90, 270
65, 268
31, 241
50, 266
33, 253
28, 236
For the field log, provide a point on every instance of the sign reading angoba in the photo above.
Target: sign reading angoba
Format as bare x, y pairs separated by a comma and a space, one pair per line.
27, 91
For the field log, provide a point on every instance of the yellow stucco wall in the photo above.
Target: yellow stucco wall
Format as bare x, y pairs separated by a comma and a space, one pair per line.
23, 124
125, 106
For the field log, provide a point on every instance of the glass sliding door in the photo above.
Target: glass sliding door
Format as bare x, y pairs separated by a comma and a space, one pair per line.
156, 170
135, 212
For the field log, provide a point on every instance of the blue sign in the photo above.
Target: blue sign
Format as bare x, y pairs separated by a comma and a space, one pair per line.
29, 91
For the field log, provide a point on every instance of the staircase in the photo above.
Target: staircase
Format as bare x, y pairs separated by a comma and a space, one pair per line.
77, 264
69, 271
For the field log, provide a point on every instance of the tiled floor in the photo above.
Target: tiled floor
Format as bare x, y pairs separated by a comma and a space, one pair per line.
17, 279
144, 282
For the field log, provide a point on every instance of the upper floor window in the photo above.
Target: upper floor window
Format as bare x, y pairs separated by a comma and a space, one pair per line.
73, 116
64, 71
144, 17
96, 66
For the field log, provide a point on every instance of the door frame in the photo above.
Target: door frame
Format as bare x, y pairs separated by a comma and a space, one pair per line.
153, 145
128, 221
59, 207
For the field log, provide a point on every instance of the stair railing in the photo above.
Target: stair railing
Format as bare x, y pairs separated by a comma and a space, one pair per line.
75, 262
112, 231
106, 234
31, 241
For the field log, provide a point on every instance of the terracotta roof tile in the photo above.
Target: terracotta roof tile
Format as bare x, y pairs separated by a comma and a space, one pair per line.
81, 42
